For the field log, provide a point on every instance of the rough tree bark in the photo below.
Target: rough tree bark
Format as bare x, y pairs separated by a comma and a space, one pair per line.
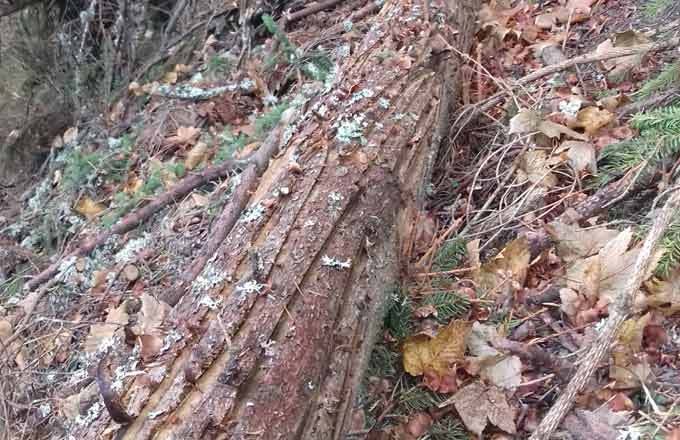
274, 334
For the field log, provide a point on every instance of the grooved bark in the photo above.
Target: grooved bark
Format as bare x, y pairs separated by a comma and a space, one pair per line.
277, 348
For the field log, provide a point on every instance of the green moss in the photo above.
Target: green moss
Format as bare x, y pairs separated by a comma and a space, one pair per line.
229, 144
654, 8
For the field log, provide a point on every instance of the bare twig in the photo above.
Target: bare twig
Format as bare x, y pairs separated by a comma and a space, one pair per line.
540, 240
239, 200
620, 310
138, 216
483, 106
309, 10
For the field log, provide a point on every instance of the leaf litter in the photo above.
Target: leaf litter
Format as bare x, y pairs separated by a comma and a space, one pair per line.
559, 297
444, 362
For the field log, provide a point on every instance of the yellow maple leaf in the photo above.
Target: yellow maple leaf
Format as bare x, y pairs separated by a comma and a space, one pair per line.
88, 207
593, 118
436, 356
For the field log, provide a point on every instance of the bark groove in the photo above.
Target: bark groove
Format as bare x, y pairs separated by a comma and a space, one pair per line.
277, 329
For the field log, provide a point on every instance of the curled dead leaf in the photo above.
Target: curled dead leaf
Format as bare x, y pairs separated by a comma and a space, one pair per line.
196, 155
581, 156
593, 118
530, 121
183, 136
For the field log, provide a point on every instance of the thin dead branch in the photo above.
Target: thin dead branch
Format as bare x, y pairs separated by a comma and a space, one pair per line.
471, 112
138, 216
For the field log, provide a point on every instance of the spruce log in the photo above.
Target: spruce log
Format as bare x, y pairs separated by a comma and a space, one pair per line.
276, 332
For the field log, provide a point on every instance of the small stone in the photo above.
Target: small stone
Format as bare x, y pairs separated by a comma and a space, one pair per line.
131, 272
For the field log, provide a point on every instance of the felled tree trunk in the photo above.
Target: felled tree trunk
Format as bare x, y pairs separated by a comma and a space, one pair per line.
274, 334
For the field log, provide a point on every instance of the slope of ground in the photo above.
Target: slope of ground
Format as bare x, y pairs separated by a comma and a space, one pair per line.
536, 209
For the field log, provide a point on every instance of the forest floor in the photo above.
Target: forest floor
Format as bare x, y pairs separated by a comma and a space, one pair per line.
482, 333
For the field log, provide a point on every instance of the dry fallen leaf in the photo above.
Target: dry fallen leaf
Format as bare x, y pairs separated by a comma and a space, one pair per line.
133, 184
70, 135
479, 405
509, 266
546, 20
436, 358
196, 155
418, 425
664, 293
533, 167
100, 333
593, 118
70, 406
529, 121
601, 424
495, 17
493, 366
573, 242
425, 311
604, 276
88, 207
582, 156
131, 272
182, 68
135, 88
580, 5
170, 78
184, 135
626, 368
621, 66
148, 327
